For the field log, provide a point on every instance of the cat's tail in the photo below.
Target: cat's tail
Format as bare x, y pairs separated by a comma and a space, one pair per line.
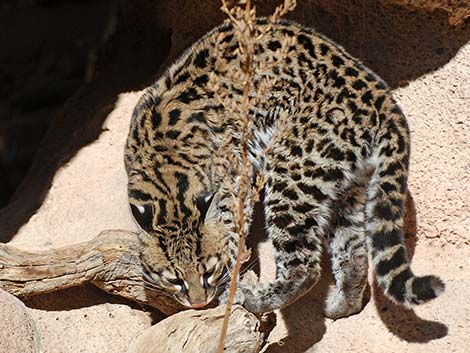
384, 217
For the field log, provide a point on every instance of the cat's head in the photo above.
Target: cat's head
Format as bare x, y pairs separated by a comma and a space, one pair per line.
184, 251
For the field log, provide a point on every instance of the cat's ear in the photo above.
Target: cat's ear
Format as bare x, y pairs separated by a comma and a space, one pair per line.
143, 215
207, 203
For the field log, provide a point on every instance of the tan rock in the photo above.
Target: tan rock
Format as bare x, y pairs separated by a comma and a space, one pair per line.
17, 328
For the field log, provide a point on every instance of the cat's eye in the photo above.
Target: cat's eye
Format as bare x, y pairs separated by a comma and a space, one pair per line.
178, 284
205, 278
203, 202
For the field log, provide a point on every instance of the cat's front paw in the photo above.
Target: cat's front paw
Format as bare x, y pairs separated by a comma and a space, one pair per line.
250, 297
239, 297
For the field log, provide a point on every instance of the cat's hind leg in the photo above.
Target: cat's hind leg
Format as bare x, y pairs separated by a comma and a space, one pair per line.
348, 255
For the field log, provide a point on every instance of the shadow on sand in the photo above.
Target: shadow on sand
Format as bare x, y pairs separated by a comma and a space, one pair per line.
305, 321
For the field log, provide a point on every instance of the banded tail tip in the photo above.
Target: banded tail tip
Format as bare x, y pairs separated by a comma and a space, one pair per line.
426, 288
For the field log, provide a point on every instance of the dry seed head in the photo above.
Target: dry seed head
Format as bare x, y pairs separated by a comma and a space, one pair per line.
282, 10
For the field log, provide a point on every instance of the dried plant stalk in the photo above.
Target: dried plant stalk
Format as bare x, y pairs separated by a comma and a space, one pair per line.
248, 49
248, 35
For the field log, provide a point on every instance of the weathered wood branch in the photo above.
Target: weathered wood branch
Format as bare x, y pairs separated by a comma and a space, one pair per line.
111, 261
194, 331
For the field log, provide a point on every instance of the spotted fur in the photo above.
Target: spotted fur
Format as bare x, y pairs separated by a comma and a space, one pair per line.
336, 174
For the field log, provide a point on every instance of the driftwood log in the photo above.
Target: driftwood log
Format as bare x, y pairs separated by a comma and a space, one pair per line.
194, 331
111, 261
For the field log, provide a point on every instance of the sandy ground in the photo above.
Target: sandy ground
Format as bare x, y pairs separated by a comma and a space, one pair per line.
88, 195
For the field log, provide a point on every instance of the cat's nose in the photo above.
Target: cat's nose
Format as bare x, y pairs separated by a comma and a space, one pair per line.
198, 305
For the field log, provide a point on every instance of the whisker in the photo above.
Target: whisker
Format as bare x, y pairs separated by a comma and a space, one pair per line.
127, 260
148, 277
144, 283
224, 278
251, 265
151, 284
158, 290
221, 283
